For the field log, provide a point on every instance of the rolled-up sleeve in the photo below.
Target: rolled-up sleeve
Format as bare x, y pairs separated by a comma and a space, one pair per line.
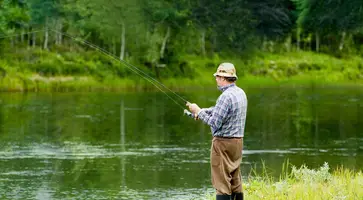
215, 117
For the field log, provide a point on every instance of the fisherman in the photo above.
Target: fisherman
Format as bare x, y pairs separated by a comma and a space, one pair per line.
227, 121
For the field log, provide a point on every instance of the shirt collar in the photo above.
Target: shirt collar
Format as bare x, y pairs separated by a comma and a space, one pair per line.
224, 88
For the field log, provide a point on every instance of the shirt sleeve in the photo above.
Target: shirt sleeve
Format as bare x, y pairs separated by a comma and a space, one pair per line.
209, 110
216, 116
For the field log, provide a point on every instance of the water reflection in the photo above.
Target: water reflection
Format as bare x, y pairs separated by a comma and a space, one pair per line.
140, 146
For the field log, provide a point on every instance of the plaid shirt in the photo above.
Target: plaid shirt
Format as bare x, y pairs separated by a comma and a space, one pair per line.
227, 118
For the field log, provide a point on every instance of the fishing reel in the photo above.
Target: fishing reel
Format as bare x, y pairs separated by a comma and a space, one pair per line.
189, 114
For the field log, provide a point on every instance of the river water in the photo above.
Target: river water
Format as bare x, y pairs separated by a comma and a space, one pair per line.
132, 145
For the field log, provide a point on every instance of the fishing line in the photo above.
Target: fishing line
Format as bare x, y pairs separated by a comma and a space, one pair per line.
128, 65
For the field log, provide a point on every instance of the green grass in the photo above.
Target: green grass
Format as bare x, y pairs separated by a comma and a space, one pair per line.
38, 70
304, 183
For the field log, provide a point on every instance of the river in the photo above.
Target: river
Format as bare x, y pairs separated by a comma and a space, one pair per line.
133, 145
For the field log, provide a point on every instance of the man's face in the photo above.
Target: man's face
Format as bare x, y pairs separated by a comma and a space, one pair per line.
220, 80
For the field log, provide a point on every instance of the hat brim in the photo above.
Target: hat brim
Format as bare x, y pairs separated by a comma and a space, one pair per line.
225, 75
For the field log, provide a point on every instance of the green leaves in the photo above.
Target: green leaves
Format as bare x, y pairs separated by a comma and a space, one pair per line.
273, 19
161, 31
13, 15
330, 16
40, 10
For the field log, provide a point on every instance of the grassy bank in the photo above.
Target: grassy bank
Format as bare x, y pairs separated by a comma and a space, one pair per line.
39, 70
304, 183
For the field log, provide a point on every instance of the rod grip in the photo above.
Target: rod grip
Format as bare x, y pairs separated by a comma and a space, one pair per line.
189, 114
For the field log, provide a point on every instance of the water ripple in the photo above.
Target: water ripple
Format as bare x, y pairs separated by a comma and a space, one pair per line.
66, 151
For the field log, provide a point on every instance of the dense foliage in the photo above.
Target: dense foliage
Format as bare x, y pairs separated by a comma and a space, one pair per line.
160, 35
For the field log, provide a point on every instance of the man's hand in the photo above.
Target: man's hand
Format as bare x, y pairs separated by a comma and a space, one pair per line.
194, 108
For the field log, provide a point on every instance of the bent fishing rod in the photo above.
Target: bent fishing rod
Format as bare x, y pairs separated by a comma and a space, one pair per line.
131, 67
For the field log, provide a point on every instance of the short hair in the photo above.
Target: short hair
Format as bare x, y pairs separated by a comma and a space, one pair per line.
231, 79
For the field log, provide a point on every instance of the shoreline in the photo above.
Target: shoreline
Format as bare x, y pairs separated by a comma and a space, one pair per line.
89, 71
38, 83
304, 183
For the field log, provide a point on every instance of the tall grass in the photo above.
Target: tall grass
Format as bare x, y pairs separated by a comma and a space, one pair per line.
304, 183
67, 71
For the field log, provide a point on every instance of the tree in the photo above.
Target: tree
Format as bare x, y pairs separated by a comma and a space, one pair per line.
274, 19
13, 17
44, 13
166, 17
111, 19
330, 17
227, 22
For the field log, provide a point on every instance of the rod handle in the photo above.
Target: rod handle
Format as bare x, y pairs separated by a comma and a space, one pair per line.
189, 114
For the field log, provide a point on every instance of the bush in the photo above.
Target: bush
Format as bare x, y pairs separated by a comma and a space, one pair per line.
46, 68
70, 68
310, 175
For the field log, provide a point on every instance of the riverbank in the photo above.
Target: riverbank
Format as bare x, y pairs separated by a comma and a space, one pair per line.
304, 183
39, 70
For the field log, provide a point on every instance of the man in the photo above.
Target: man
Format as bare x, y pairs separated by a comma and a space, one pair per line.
227, 121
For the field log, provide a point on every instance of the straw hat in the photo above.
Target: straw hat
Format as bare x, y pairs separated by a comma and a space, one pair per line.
226, 70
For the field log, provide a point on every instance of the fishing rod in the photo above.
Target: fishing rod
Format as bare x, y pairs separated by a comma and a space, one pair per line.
128, 65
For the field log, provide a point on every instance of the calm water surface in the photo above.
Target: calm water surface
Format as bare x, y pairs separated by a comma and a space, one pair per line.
78, 145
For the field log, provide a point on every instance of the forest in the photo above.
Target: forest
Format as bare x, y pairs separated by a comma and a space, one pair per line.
179, 40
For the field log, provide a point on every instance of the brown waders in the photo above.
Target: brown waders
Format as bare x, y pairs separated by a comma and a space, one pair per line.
226, 157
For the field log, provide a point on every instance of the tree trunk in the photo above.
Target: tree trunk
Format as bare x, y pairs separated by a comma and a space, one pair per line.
114, 49
317, 41
271, 46
29, 39
214, 47
123, 42
46, 35
298, 39
288, 43
162, 50
22, 36
341, 45
60, 36
202, 45
34, 40
57, 33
